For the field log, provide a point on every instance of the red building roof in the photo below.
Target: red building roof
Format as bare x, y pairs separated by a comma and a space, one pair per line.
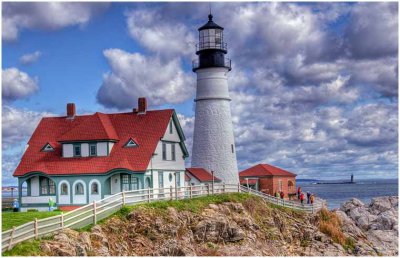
265, 170
202, 175
147, 128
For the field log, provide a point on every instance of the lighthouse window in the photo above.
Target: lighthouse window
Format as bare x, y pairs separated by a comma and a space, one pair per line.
232, 148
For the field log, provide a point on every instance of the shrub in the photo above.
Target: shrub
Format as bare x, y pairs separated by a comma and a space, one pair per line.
330, 224
32, 210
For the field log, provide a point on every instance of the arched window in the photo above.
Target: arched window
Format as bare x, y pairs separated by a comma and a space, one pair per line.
290, 185
79, 189
64, 189
170, 177
147, 182
94, 188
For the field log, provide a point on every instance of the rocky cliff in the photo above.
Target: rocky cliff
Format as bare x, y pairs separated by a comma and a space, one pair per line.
245, 226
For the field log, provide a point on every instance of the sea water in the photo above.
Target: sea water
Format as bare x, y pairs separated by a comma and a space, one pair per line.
364, 190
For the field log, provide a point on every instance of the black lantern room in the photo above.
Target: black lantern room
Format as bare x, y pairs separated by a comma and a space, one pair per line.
211, 48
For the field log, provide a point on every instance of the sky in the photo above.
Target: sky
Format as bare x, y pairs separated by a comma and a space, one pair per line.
314, 86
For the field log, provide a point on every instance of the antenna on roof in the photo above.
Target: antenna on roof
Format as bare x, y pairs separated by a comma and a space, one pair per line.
210, 6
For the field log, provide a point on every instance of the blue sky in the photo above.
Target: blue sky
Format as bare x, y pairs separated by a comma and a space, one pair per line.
314, 86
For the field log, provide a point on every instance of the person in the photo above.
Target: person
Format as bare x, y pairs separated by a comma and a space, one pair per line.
301, 198
15, 205
308, 197
282, 194
51, 204
312, 199
298, 192
276, 194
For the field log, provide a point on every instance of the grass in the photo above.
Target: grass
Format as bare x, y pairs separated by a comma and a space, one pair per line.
11, 219
26, 248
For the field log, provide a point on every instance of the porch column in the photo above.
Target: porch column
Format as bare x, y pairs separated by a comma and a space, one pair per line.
20, 182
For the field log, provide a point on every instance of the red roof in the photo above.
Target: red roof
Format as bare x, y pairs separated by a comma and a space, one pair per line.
251, 181
201, 174
265, 170
148, 128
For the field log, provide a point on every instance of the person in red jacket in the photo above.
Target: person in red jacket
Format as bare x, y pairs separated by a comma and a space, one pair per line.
301, 198
282, 194
298, 192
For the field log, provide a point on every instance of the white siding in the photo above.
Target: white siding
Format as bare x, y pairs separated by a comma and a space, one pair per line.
115, 184
37, 199
85, 150
35, 186
102, 149
68, 150
174, 137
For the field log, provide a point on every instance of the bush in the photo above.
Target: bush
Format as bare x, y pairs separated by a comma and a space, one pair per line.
32, 210
330, 224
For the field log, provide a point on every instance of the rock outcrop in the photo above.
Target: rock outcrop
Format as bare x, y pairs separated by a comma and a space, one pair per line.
248, 228
374, 226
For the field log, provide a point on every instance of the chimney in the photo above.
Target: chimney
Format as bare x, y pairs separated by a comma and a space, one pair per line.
71, 111
142, 105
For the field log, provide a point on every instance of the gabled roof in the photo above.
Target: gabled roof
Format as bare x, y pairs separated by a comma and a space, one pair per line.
147, 128
95, 127
201, 174
265, 170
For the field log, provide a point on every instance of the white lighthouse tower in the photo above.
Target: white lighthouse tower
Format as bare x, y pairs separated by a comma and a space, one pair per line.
213, 141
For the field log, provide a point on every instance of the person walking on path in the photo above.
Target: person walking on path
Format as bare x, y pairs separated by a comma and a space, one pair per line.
298, 192
312, 199
51, 204
277, 195
308, 197
282, 195
15, 205
301, 198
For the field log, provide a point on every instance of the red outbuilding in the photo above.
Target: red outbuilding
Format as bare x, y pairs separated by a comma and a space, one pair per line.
269, 179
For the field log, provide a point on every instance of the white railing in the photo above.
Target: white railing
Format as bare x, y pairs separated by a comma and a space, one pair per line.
98, 210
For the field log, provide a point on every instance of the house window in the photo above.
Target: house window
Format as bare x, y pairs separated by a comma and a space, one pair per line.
94, 188
164, 151
178, 179
170, 177
171, 127
77, 150
147, 182
79, 189
134, 183
125, 182
173, 151
47, 147
47, 186
64, 189
280, 185
93, 149
160, 179
131, 143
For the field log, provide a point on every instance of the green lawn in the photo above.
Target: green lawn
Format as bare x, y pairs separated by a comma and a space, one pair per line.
10, 219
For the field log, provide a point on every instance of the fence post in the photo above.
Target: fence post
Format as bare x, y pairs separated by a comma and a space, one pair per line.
123, 197
11, 239
176, 192
190, 189
62, 220
148, 194
238, 187
170, 192
94, 213
36, 229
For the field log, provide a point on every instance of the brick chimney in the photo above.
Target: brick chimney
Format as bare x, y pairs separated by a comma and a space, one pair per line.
142, 105
71, 111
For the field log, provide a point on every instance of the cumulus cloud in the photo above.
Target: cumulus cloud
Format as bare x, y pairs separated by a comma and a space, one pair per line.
30, 58
25, 120
17, 84
46, 16
134, 75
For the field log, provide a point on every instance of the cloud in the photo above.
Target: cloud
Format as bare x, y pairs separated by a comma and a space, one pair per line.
30, 58
134, 75
373, 30
17, 84
25, 120
46, 16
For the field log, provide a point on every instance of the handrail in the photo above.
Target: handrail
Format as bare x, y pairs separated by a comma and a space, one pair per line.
90, 212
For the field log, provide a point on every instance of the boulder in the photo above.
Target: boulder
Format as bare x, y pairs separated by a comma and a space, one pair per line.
351, 204
380, 204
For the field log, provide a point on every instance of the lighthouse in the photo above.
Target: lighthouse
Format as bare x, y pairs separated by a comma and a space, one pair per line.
213, 140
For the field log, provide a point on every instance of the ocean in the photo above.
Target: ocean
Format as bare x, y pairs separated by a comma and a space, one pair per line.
365, 190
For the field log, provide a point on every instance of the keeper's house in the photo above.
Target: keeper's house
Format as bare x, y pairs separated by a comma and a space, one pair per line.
269, 179
78, 159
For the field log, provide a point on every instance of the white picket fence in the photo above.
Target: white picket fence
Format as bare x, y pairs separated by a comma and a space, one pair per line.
98, 210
